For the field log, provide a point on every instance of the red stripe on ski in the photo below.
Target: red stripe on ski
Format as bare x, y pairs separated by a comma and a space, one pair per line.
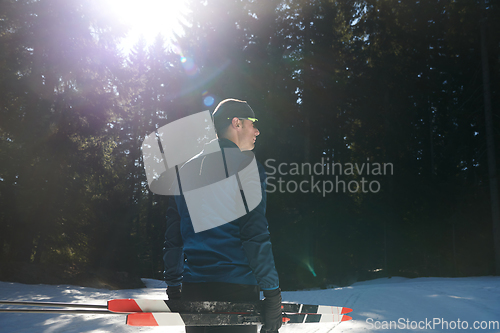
123, 305
142, 319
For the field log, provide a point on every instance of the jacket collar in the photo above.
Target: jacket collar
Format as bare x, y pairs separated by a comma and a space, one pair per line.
226, 143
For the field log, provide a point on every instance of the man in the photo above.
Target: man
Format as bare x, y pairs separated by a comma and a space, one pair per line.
229, 262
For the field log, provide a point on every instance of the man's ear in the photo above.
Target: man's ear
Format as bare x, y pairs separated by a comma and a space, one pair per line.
235, 122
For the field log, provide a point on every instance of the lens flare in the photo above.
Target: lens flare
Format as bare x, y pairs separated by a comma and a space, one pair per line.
308, 265
208, 101
187, 62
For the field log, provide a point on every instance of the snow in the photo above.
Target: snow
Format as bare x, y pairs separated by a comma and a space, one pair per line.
382, 305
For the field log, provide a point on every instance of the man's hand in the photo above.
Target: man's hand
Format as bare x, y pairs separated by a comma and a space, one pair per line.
271, 311
174, 292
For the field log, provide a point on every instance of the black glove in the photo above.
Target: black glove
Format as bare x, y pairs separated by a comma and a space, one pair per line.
174, 292
271, 311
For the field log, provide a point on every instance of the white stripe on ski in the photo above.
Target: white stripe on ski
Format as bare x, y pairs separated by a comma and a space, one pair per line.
152, 305
324, 309
325, 318
169, 319
329, 318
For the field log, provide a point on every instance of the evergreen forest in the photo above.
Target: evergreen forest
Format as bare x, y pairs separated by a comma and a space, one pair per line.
379, 131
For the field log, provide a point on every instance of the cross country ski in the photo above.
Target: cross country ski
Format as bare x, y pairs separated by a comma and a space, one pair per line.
222, 319
157, 312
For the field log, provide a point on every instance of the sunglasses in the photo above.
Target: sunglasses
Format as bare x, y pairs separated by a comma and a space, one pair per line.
253, 120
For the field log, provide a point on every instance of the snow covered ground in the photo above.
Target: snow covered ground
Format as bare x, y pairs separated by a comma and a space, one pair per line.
383, 305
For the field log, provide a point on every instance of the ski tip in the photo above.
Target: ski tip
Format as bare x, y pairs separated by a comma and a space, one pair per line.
346, 318
123, 305
141, 319
345, 310
285, 320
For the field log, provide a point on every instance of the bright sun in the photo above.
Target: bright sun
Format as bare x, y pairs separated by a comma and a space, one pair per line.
149, 18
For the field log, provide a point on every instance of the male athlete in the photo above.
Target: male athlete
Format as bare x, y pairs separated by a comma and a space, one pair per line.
233, 261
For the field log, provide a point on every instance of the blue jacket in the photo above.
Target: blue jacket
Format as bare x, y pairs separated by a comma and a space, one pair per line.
236, 252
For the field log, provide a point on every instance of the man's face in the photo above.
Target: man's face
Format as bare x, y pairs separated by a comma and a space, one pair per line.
247, 135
